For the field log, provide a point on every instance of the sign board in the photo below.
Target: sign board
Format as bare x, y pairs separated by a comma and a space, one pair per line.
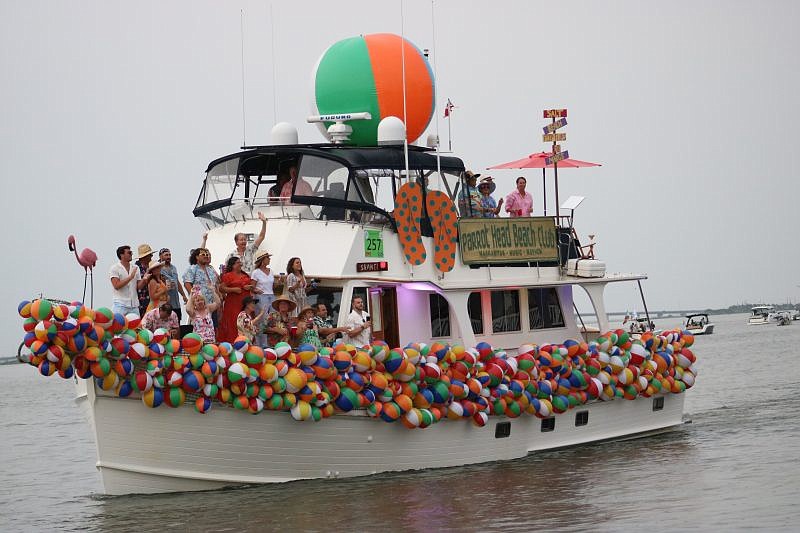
554, 137
373, 243
555, 158
372, 266
551, 128
555, 113
507, 240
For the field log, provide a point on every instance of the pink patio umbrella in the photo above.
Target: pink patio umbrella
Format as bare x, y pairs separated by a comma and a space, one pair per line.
537, 160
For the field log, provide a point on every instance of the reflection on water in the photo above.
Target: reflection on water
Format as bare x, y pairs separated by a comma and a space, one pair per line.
733, 467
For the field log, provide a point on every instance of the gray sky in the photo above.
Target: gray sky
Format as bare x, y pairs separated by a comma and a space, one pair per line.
111, 111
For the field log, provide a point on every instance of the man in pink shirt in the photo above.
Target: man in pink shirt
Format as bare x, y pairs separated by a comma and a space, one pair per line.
303, 188
519, 203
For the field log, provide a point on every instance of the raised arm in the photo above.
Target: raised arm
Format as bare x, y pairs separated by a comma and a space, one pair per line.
263, 233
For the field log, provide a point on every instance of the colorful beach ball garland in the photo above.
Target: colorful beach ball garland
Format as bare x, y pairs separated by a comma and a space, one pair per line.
417, 385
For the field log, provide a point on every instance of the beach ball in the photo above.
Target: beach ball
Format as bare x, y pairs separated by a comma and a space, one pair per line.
365, 74
301, 410
307, 354
133, 320
47, 368
153, 398
238, 372
60, 312
24, 309
103, 317
347, 400
295, 380
480, 419
191, 343
41, 309
202, 404
254, 355
174, 397
45, 331
118, 323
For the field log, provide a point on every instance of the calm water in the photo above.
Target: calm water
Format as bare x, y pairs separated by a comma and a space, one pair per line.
734, 467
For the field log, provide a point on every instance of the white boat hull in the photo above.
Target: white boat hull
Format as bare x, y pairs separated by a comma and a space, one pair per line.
706, 329
142, 450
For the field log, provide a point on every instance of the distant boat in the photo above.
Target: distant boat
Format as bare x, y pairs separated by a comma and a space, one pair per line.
761, 314
698, 324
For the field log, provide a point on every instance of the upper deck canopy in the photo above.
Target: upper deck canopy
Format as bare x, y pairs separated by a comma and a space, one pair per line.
335, 181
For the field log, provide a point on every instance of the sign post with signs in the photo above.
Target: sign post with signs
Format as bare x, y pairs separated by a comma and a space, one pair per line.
559, 120
373, 243
508, 240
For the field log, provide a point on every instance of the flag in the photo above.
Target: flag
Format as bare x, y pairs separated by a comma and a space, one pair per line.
448, 108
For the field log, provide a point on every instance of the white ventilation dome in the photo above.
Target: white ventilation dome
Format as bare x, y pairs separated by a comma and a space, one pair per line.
432, 141
283, 133
391, 130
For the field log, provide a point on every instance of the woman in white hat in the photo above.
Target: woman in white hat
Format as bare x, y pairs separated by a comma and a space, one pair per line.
489, 207
264, 289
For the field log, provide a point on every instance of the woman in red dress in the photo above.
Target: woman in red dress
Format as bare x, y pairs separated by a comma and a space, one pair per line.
235, 285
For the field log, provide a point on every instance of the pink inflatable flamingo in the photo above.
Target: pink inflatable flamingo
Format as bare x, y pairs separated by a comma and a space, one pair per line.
87, 259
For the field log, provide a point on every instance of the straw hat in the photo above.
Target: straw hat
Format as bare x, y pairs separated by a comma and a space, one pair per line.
143, 251
281, 298
469, 175
488, 181
260, 256
155, 266
306, 308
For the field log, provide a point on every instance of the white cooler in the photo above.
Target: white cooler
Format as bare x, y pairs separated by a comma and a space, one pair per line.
586, 268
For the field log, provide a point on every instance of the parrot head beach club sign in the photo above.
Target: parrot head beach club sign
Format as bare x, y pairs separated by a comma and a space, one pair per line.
508, 240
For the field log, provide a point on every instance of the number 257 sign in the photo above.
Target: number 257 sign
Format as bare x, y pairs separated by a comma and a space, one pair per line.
373, 243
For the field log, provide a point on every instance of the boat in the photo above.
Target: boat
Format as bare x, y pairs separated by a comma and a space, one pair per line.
784, 318
760, 315
502, 302
379, 222
698, 324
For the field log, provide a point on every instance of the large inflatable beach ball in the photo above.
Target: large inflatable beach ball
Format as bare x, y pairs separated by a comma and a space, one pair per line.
365, 74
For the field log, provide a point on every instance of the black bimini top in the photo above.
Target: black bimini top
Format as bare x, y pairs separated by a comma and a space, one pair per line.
356, 157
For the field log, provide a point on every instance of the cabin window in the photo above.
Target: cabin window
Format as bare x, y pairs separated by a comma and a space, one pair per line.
475, 310
548, 424
581, 418
440, 316
658, 403
220, 182
544, 309
502, 430
323, 178
505, 311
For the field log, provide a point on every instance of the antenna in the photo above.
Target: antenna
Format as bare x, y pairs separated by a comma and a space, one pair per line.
241, 34
435, 96
403, 63
274, 78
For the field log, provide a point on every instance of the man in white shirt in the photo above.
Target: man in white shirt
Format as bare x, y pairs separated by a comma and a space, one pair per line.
125, 280
359, 326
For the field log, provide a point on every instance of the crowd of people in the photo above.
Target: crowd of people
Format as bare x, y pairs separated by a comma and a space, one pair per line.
246, 299
475, 199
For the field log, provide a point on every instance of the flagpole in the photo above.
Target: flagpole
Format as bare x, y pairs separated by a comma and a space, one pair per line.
449, 133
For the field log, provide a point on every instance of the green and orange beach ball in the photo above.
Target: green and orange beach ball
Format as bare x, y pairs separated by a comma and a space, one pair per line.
365, 74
